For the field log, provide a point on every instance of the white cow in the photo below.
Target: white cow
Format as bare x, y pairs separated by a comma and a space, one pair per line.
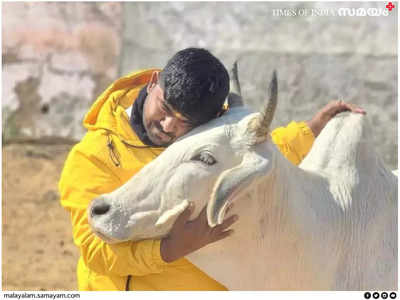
328, 224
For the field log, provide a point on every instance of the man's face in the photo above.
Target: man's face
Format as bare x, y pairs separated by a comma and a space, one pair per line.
162, 123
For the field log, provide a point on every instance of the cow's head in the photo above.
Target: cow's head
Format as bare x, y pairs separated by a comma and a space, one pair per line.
210, 166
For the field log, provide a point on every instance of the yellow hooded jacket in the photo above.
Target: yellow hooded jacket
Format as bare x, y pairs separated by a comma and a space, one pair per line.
107, 156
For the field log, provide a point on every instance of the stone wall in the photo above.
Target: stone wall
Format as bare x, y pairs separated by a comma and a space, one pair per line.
57, 57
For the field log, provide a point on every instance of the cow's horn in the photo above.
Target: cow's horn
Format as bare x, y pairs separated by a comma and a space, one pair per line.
260, 126
235, 94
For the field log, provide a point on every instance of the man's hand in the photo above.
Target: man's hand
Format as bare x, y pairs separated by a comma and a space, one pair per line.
321, 118
188, 236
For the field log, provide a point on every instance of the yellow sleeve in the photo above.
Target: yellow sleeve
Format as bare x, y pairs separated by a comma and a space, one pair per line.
83, 179
294, 141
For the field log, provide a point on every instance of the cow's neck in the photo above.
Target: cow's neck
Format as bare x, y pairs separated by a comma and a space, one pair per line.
310, 210
292, 199
295, 202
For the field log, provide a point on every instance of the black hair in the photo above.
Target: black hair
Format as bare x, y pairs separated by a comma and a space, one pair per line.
195, 84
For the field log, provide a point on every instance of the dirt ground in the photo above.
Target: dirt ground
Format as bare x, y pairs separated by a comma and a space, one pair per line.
37, 248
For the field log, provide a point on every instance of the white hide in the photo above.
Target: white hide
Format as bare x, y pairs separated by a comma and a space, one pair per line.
329, 224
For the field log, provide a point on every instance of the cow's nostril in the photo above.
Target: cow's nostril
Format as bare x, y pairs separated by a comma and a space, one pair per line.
100, 208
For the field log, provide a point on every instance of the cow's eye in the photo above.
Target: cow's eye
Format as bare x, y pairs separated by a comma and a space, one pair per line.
205, 157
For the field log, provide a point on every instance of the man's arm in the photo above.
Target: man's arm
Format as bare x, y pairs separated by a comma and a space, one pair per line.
322, 117
295, 140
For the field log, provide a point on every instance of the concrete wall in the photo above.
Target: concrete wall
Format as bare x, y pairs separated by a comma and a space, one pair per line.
57, 57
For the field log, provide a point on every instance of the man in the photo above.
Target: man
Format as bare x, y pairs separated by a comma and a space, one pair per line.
188, 92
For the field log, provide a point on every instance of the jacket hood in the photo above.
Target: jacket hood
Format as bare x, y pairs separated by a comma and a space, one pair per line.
108, 111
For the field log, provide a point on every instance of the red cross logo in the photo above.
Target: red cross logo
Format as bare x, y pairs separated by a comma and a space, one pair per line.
390, 6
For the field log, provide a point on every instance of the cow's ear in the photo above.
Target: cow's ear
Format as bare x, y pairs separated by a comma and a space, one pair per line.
231, 182
170, 215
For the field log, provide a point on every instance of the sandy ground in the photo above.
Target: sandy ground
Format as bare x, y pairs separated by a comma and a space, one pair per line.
37, 248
